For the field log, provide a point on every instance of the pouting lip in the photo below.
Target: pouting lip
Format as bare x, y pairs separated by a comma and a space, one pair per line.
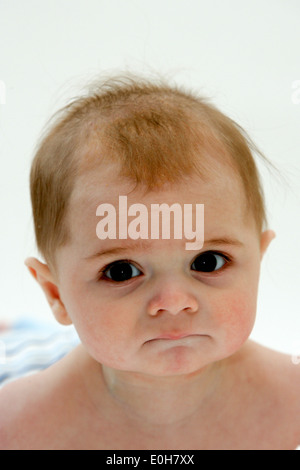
173, 336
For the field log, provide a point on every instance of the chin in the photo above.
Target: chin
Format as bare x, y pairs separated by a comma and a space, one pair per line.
175, 361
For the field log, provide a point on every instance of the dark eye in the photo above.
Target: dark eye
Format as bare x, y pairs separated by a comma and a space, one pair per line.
121, 271
208, 262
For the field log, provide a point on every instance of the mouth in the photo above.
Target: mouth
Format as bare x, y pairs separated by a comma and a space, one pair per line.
174, 336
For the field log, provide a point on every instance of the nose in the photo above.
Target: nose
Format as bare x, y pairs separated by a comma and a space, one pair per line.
172, 299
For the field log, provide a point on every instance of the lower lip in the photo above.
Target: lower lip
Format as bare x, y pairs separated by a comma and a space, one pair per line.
174, 338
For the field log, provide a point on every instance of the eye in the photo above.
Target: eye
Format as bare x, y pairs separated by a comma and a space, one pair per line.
209, 262
120, 271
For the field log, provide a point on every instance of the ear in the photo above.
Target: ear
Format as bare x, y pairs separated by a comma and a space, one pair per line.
44, 277
265, 240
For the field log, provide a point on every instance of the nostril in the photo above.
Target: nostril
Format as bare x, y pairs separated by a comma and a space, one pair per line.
161, 310
190, 310
186, 310
173, 302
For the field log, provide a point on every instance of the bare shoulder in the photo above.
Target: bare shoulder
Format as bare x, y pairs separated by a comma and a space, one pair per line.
278, 378
18, 402
34, 407
279, 369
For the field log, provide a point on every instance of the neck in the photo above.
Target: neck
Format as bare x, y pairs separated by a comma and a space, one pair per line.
163, 400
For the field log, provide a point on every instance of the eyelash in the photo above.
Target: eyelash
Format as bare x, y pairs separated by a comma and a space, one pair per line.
228, 261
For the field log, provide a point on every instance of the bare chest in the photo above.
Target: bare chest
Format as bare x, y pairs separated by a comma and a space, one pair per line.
257, 432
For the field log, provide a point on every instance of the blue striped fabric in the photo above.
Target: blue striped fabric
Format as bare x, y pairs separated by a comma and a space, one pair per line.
29, 346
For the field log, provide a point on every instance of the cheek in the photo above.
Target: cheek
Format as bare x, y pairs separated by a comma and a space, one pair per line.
234, 316
104, 328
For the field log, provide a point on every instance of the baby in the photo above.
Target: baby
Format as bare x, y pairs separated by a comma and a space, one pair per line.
164, 361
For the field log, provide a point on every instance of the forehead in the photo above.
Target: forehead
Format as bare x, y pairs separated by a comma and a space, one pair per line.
221, 192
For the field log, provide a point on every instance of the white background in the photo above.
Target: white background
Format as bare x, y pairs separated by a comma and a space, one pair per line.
244, 54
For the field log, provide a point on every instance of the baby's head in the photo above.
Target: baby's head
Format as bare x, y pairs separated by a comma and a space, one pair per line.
155, 144
152, 134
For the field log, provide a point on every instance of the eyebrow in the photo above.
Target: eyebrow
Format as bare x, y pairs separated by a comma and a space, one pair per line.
224, 241
120, 249
144, 246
